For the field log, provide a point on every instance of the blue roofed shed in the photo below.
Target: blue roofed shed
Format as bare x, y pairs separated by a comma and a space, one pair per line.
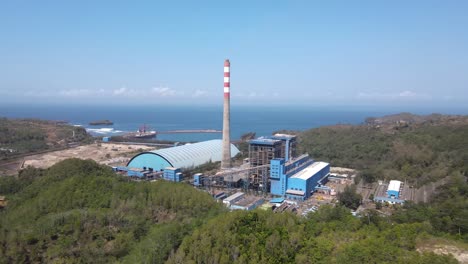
277, 200
186, 156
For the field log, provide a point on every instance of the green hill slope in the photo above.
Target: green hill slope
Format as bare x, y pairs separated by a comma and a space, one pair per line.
331, 235
419, 153
79, 211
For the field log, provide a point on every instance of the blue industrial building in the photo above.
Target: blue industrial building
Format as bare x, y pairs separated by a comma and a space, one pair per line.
198, 179
186, 156
297, 178
172, 174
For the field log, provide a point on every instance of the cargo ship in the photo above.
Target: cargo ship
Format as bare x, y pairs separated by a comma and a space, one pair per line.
143, 132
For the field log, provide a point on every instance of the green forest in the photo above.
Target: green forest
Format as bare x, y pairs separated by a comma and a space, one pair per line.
80, 212
419, 154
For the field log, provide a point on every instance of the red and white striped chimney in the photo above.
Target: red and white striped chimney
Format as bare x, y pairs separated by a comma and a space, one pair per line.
227, 75
226, 158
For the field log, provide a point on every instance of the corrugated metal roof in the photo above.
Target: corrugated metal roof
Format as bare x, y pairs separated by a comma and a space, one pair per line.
194, 154
394, 186
234, 196
264, 141
311, 170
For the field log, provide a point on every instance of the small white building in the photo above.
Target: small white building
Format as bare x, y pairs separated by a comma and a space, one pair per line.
393, 190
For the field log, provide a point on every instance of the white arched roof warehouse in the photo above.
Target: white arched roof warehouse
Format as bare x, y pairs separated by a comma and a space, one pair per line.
186, 156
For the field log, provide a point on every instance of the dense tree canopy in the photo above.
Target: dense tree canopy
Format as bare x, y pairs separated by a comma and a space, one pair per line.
79, 211
419, 154
330, 235
447, 211
349, 197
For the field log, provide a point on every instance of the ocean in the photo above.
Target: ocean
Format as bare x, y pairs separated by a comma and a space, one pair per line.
259, 119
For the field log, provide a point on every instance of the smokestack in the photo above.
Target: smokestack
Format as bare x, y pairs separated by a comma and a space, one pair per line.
226, 161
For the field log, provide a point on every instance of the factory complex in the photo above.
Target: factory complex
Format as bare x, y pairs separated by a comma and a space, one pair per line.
272, 169
275, 170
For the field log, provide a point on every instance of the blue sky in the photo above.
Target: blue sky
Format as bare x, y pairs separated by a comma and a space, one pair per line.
334, 53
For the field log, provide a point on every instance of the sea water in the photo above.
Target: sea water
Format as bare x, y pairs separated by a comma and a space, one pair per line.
259, 119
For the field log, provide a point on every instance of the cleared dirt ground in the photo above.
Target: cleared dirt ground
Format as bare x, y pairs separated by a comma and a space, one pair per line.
105, 153
443, 247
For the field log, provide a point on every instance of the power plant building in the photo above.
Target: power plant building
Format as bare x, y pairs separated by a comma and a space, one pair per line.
297, 179
186, 156
264, 149
288, 145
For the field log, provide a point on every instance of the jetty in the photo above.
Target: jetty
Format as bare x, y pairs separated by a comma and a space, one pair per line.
194, 131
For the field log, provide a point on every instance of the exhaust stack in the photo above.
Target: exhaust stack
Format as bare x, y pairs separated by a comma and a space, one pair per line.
226, 159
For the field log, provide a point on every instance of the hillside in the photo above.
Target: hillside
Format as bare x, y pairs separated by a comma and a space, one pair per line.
331, 235
419, 149
23, 136
80, 212
403, 119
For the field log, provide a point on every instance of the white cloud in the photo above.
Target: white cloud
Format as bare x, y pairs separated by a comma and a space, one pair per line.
252, 94
407, 94
120, 91
403, 95
163, 91
199, 93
